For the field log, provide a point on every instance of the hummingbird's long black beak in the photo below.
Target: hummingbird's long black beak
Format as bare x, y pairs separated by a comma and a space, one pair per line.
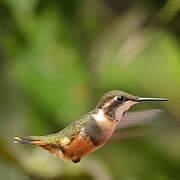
142, 99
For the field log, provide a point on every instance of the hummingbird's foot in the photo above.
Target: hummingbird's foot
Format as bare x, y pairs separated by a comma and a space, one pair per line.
76, 159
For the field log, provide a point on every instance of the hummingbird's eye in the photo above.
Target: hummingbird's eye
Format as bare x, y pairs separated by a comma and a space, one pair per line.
121, 98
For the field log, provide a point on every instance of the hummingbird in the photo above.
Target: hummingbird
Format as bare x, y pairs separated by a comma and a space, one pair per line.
91, 131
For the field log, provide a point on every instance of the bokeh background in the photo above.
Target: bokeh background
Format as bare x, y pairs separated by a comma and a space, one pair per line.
56, 60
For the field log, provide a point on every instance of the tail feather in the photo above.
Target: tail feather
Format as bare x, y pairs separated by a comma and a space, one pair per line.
40, 141
29, 140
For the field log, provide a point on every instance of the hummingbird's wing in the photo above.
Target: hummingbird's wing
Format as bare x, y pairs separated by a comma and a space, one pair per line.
133, 123
137, 118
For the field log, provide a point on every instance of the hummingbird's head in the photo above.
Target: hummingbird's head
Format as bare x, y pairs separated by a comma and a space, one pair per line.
116, 103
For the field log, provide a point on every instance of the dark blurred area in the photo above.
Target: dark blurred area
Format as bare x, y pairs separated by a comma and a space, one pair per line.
56, 60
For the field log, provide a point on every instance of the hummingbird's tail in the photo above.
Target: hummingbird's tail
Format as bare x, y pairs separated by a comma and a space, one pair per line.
40, 141
29, 140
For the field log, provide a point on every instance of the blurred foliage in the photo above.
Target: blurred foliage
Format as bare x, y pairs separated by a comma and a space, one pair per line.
58, 57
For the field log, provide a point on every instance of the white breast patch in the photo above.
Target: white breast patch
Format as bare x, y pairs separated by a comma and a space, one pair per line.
99, 117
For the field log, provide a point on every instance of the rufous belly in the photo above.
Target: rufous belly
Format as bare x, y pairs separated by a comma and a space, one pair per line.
80, 147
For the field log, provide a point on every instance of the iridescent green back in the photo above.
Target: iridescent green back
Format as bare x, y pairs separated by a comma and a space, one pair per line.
69, 131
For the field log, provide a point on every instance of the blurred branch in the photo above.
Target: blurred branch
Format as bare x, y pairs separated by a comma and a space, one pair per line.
169, 11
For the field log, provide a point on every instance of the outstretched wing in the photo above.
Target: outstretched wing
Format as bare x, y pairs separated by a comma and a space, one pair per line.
134, 123
137, 118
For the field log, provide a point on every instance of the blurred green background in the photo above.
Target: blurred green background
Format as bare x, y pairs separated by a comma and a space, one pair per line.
56, 60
